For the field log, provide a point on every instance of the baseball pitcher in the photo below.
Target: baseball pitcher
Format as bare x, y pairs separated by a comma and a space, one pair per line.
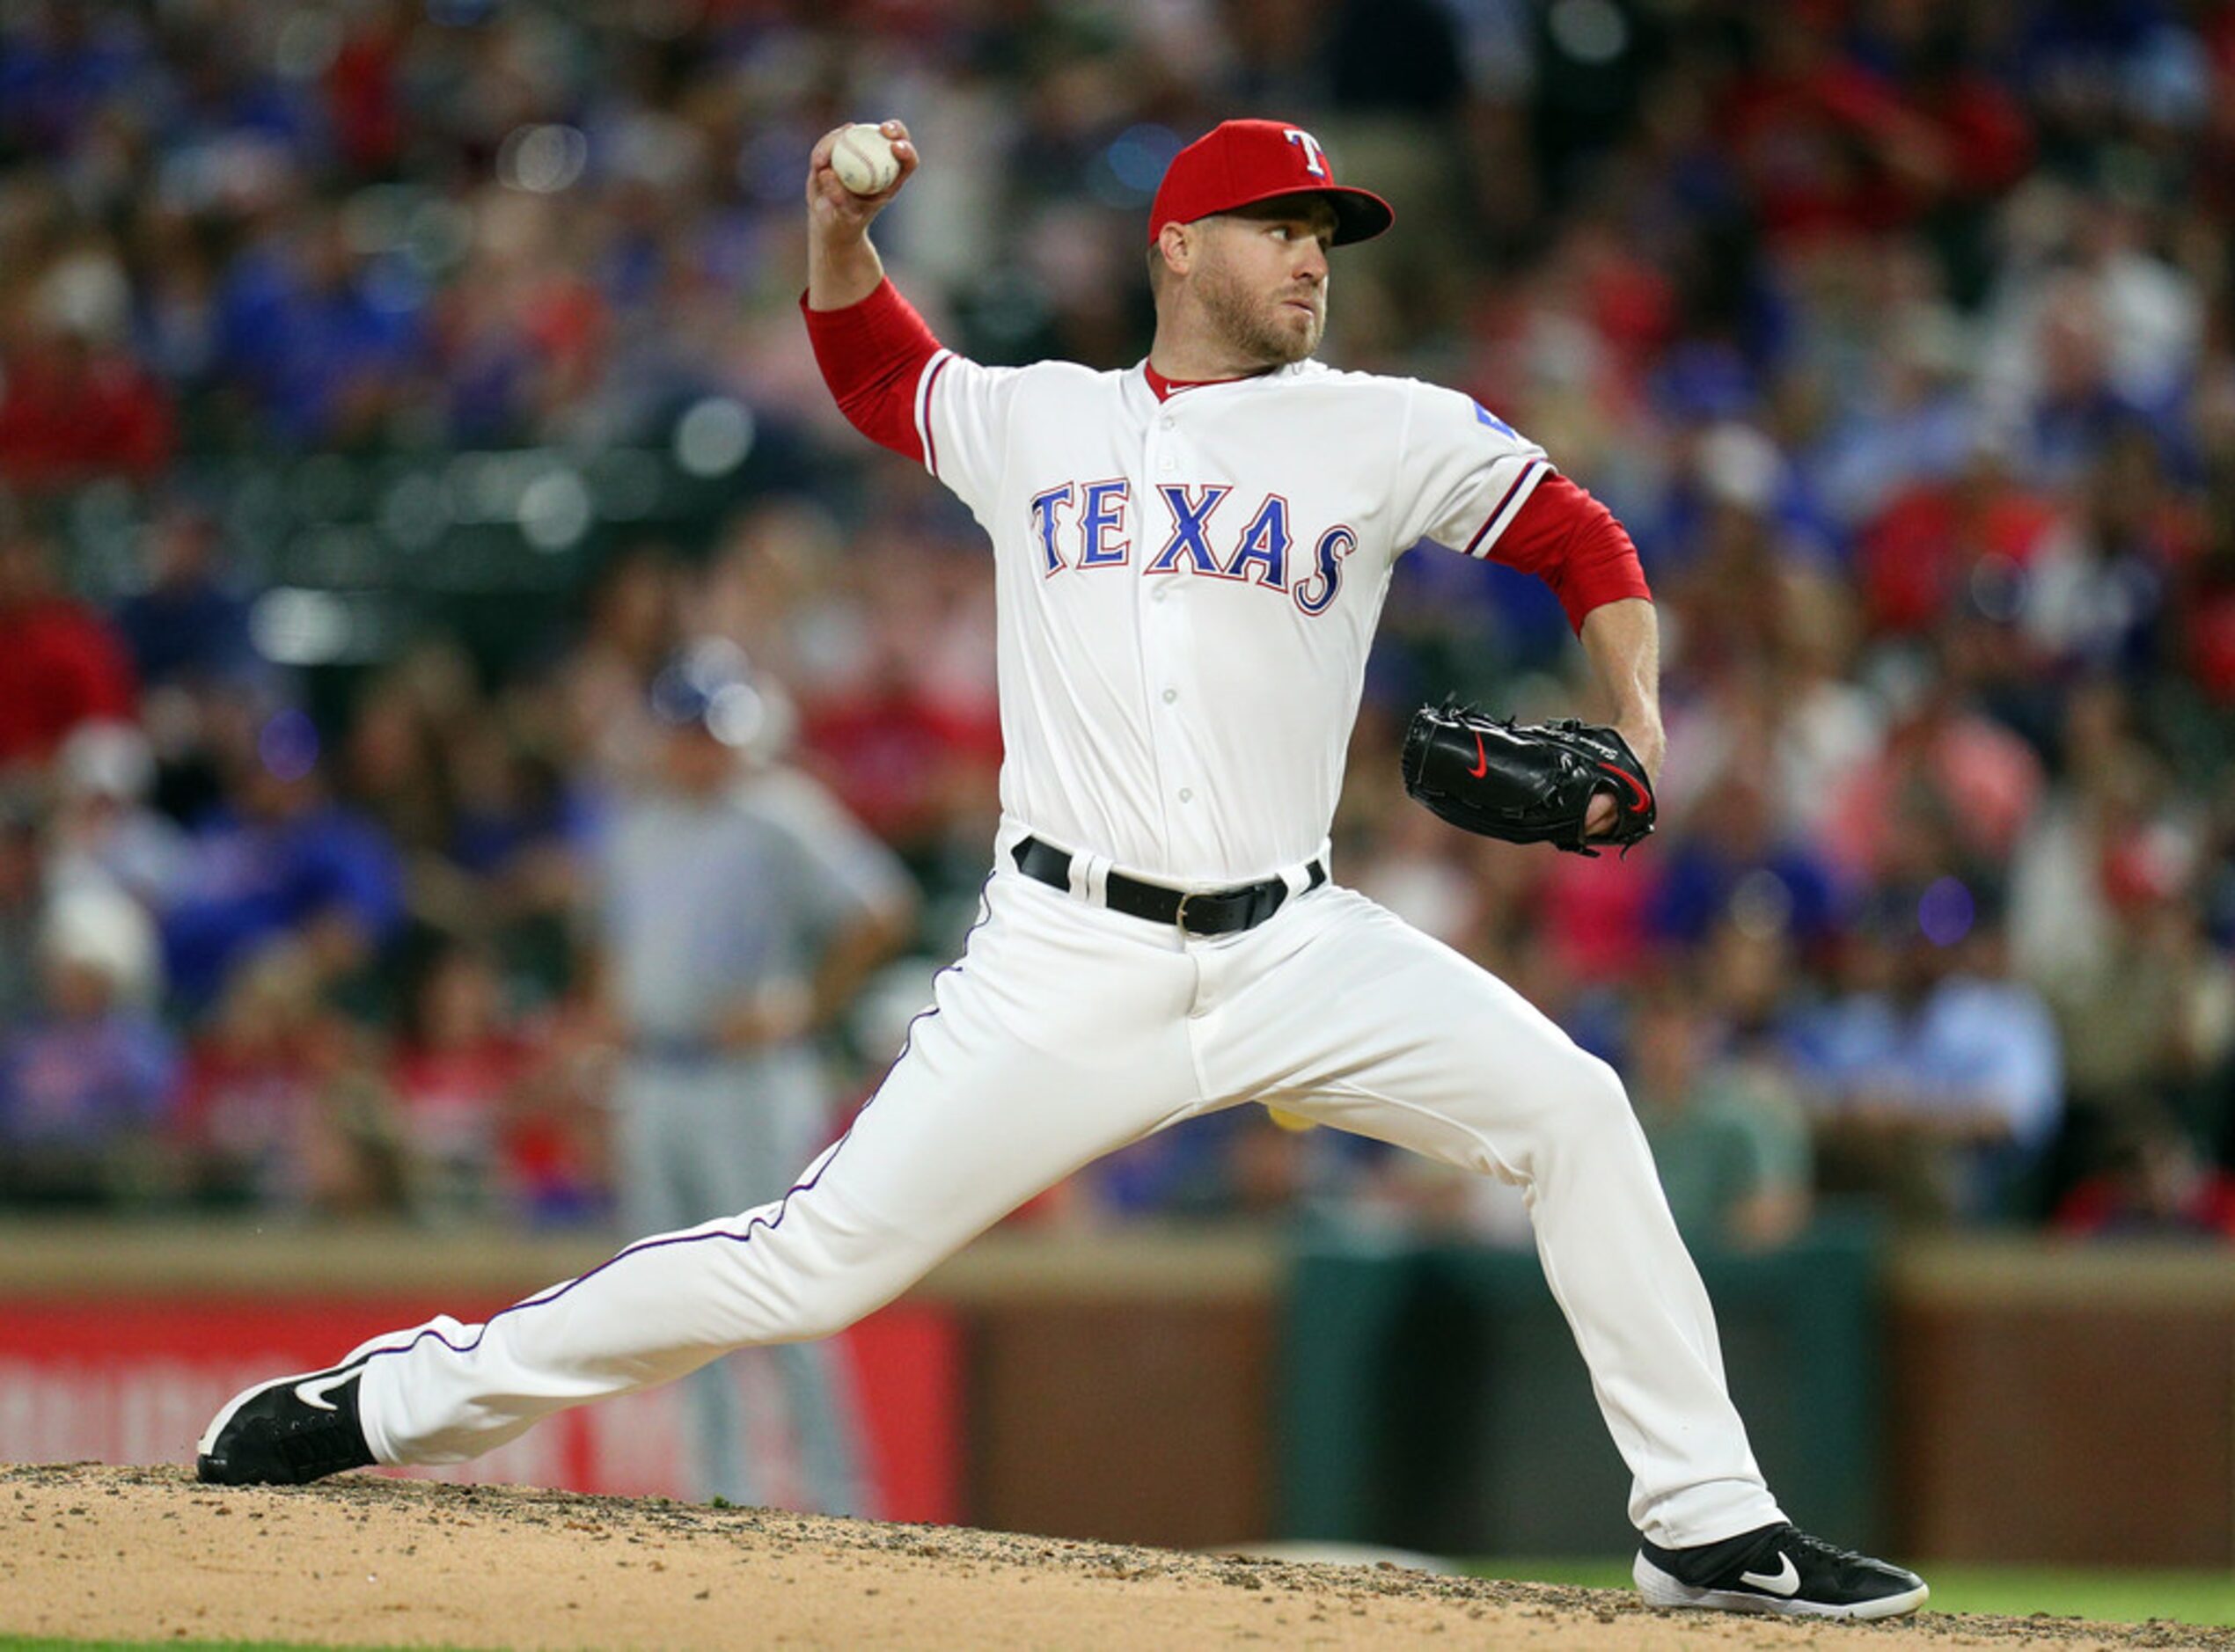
1190, 556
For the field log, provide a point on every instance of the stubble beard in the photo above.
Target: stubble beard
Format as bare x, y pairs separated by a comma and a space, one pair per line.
1251, 327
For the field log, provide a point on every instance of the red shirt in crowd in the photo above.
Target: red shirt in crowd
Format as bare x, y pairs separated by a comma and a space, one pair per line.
66, 416
60, 666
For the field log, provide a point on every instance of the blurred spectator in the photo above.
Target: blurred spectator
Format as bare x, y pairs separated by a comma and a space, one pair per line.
285, 860
322, 339
187, 623
2095, 589
1735, 856
2154, 1184
87, 1086
74, 405
1936, 1079
284, 1106
495, 1121
1948, 770
102, 829
911, 743
631, 629
60, 663
2109, 920
736, 921
457, 1071
1731, 1142
1939, 540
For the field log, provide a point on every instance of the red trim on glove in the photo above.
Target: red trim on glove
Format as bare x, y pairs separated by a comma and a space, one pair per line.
1572, 543
872, 355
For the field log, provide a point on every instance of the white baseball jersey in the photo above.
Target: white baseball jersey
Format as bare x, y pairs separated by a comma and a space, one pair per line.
1189, 587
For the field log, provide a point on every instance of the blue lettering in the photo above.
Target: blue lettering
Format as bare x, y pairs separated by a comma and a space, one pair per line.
1045, 507
1105, 510
1327, 557
1265, 543
1188, 522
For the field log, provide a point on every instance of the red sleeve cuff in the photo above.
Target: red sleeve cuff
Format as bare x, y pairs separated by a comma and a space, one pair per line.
1573, 544
872, 355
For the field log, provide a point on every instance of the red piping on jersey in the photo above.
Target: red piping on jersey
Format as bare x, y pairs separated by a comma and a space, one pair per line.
931, 439
872, 355
1572, 543
1529, 472
1167, 388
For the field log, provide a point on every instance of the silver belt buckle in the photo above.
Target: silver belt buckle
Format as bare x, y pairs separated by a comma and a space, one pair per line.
1179, 914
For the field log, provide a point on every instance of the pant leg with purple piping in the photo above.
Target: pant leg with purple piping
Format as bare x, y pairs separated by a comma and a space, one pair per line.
1056, 1038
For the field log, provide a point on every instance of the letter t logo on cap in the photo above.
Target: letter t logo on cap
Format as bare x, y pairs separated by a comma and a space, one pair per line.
1314, 156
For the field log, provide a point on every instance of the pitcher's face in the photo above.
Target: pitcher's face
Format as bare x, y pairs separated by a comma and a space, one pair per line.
1262, 277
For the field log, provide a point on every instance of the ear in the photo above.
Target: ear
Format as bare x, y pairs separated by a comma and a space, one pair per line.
1177, 242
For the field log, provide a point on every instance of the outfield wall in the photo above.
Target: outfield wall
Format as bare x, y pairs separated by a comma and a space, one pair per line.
1952, 1399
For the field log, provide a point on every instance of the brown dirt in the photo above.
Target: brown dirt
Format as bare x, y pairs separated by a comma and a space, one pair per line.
145, 1553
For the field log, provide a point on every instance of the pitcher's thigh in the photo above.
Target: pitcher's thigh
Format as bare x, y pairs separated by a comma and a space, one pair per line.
1391, 1034
1041, 1052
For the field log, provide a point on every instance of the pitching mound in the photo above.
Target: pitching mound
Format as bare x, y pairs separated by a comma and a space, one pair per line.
147, 1555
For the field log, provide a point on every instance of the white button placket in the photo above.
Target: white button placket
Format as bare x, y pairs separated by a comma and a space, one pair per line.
1164, 635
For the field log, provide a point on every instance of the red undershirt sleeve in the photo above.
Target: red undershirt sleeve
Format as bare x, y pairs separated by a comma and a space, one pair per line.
872, 355
1572, 543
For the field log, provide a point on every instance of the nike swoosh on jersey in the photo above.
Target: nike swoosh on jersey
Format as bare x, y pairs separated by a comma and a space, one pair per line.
1783, 1582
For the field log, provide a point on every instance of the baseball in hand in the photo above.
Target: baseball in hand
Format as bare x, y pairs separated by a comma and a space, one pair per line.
864, 161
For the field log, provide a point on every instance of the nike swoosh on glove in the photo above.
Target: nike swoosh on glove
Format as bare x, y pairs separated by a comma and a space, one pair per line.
1527, 783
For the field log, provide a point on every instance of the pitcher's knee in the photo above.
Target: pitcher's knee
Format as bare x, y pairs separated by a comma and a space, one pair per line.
827, 1300
1593, 1101
828, 1314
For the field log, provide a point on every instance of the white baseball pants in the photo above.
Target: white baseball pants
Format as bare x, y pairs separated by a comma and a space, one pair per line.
1067, 1030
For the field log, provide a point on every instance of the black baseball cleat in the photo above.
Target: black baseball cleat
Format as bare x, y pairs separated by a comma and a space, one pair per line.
1777, 1568
286, 1432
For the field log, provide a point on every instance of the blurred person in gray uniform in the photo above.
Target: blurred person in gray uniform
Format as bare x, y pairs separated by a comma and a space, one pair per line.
740, 909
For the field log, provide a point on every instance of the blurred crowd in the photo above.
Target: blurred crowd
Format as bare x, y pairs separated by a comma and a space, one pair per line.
1901, 335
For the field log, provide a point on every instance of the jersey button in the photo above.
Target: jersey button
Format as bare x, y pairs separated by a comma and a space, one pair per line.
1186, 796
1171, 695
1167, 421
1168, 465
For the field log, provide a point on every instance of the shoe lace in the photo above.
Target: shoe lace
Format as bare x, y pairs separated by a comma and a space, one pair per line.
317, 1450
1795, 1537
320, 1445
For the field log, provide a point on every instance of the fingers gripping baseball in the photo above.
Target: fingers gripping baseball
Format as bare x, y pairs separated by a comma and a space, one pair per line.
836, 208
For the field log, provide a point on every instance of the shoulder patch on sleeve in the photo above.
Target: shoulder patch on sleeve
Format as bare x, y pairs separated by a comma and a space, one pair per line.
1483, 416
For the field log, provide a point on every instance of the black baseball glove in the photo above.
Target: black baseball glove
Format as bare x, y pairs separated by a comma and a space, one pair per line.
1529, 783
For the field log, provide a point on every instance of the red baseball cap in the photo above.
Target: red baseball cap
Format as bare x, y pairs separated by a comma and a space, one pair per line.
1238, 162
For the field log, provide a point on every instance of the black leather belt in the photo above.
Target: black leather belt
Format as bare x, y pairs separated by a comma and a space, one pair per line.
1199, 912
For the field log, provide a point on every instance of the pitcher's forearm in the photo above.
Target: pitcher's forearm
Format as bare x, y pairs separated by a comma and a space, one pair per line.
841, 270
1622, 640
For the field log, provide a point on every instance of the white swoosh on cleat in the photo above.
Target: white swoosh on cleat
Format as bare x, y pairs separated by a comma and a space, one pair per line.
1784, 1581
314, 1392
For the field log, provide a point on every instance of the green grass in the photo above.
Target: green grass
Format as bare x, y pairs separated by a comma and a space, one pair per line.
31, 1643
2110, 1597
43, 1644
26, 1643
